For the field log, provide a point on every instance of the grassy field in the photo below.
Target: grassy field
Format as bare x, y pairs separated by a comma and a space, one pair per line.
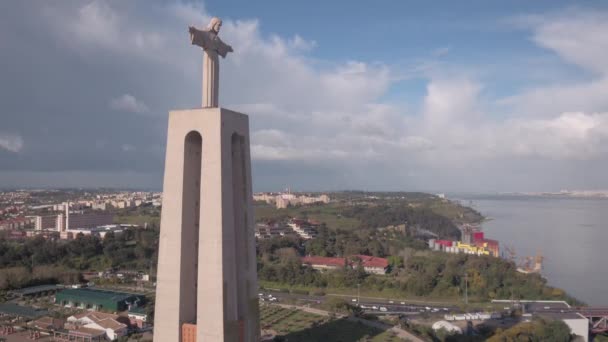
298, 326
328, 214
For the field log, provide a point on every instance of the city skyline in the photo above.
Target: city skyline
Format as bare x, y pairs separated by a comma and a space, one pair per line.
440, 97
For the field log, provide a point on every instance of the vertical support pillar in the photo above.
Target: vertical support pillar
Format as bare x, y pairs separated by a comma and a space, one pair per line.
211, 79
207, 270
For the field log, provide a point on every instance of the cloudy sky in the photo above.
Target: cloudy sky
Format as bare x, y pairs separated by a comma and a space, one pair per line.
449, 96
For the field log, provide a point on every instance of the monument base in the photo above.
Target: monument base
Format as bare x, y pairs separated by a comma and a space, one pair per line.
207, 263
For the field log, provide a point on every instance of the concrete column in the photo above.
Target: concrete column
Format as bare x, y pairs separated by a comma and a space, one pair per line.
211, 79
218, 292
67, 217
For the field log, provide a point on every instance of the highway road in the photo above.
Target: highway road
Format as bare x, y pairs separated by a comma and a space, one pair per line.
369, 305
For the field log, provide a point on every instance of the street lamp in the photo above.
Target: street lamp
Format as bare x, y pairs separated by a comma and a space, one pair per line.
466, 288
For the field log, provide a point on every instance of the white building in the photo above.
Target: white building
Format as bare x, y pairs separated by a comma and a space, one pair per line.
102, 322
447, 326
303, 229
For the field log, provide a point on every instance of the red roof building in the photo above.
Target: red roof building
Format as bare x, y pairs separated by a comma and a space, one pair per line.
478, 236
324, 263
373, 264
444, 243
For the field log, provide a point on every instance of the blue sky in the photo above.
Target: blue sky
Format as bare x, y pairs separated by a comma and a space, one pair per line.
436, 96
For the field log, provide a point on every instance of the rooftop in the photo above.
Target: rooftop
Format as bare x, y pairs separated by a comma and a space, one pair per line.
87, 332
23, 311
137, 310
317, 260
36, 289
371, 261
90, 293
562, 315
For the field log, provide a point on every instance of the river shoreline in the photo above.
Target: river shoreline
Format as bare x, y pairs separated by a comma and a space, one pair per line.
569, 232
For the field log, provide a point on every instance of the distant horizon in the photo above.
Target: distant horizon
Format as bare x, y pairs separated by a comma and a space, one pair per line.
446, 193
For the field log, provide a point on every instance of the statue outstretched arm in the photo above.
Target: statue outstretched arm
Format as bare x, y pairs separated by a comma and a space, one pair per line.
223, 48
197, 37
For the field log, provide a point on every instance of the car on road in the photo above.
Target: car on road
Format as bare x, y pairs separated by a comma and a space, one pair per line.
374, 307
383, 309
354, 300
402, 303
391, 302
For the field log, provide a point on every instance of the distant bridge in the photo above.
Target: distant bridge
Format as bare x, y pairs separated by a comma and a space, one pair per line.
597, 316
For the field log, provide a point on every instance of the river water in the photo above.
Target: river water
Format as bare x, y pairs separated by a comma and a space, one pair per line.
572, 235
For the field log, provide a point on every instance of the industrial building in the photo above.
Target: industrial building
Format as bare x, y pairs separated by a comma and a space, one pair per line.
474, 243
90, 220
98, 299
14, 310
66, 221
36, 291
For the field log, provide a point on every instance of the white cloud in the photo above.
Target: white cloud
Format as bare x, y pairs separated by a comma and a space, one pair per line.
579, 37
451, 100
299, 43
127, 148
11, 142
128, 103
440, 52
308, 110
576, 136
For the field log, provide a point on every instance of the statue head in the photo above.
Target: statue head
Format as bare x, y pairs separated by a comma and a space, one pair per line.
215, 24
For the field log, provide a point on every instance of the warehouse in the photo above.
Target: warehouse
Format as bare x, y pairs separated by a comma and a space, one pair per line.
14, 310
98, 299
36, 291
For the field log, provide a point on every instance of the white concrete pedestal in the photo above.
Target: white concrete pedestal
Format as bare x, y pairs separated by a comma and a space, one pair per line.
207, 262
